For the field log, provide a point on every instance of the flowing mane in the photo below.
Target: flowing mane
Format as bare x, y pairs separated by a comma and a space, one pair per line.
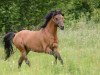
49, 16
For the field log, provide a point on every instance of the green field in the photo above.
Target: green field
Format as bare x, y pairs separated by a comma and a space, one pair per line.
79, 48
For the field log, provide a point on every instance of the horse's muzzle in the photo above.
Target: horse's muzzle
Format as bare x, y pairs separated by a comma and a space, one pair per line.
62, 27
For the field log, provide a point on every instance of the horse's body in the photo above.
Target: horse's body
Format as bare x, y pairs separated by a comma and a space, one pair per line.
45, 40
25, 37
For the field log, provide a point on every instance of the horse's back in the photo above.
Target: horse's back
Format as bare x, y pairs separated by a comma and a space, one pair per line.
21, 34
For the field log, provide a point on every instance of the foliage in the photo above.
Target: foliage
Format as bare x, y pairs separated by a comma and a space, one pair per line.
16, 15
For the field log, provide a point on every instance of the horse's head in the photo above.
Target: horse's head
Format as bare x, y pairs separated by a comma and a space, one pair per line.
58, 19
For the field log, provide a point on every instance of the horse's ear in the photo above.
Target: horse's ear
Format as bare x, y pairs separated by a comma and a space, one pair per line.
62, 14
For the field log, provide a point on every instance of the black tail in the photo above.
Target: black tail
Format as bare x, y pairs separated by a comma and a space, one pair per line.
8, 44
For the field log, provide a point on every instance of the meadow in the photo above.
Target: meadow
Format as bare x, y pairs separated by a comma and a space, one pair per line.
79, 48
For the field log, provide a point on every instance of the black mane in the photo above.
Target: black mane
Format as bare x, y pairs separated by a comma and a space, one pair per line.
49, 16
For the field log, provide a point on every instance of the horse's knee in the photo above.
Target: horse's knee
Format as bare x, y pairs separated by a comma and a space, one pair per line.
49, 51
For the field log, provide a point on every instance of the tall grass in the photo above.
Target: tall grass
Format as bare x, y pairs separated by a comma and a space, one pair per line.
79, 48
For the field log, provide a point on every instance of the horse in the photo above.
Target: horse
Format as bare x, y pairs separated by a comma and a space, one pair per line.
44, 40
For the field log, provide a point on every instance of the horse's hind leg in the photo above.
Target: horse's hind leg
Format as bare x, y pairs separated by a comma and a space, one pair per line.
20, 61
55, 59
23, 57
26, 59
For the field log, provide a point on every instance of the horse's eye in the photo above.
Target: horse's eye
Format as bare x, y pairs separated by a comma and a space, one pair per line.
56, 18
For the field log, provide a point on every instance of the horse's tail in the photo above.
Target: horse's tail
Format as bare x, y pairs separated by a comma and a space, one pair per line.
8, 44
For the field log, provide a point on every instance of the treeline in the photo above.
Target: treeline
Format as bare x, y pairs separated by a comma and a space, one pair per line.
16, 15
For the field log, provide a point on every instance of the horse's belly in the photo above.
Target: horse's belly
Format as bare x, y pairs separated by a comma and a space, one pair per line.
35, 46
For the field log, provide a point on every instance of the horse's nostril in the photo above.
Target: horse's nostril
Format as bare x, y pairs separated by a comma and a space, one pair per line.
62, 27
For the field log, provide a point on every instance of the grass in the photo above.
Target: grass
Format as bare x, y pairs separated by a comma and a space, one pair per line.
80, 50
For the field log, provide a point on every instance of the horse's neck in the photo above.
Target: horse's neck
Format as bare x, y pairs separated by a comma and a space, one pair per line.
51, 28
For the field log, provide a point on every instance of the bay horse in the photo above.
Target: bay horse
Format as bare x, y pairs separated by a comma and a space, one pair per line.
44, 40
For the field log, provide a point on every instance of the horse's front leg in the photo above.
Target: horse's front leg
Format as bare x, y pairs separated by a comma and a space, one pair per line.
49, 51
57, 55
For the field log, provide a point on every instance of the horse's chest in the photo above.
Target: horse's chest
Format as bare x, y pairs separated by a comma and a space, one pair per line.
50, 40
